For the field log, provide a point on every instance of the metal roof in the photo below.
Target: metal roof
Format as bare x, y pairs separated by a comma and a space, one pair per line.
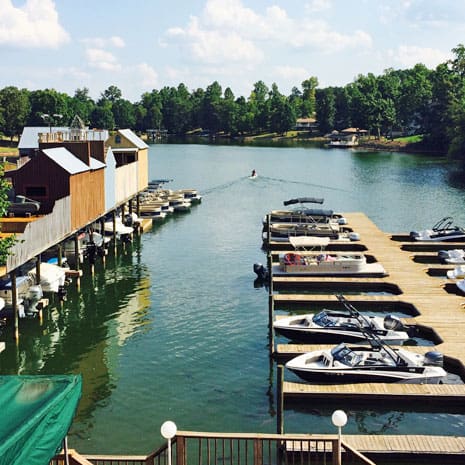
30, 136
133, 138
96, 164
66, 160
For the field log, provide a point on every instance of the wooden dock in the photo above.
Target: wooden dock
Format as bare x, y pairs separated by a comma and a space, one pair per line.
417, 285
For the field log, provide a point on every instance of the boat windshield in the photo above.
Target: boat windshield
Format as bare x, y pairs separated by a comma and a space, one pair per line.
322, 319
343, 354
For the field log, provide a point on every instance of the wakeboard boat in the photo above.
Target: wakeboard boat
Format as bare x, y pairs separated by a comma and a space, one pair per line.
443, 230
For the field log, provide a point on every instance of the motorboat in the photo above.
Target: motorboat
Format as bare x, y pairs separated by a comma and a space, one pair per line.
22, 206
461, 285
302, 214
457, 272
454, 256
52, 277
443, 230
123, 233
329, 326
285, 232
327, 264
179, 203
191, 194
360, 364
28, 295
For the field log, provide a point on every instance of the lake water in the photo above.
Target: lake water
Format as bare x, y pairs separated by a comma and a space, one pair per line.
174, 329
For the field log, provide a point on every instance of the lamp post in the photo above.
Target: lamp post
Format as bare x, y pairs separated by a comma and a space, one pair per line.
168, 431
339, 419
51, 119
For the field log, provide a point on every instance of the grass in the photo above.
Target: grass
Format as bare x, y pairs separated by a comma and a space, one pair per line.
410, 139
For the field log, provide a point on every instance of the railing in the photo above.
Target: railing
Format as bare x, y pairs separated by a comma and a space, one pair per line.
199, 448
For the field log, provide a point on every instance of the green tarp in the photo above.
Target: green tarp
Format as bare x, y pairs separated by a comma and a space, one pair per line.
36, 414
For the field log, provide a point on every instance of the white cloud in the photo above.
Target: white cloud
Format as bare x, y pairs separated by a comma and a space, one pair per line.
101, 59
35, 24
315, 6
103, 42
214, 46
228, 31
149, 77
292, 73
409, 56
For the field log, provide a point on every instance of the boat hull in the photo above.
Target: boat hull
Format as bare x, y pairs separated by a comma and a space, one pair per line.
367, 375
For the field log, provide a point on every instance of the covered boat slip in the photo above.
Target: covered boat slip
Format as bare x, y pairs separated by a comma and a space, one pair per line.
37, 412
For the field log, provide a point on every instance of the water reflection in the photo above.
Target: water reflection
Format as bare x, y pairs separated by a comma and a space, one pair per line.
86, 333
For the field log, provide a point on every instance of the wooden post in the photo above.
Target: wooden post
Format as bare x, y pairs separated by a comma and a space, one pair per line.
102, 232
336, 444
14, 303
114, 229
270, 322
76, 251
60, 255
181, 455
37, 270
280, 400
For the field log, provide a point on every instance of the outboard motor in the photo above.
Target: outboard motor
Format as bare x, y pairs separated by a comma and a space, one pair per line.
341, 221
260, 271
414, 234
442, 255
33, 296
434, 359
392, 322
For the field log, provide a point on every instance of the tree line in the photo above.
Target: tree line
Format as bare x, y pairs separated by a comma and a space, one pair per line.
411, 101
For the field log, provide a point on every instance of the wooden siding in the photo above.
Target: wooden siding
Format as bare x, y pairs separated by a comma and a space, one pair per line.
143, 169
110, 181
41, 234
42, 171
87, 197
126, 182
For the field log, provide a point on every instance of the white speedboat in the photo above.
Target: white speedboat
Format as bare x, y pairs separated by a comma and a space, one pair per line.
379, 363
191, 194
123, 233
28, 295
52, 277
457, 273
329, 326
443, 230
454, 256
327, 264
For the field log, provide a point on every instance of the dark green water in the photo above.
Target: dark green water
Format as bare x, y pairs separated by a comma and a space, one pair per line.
174, 329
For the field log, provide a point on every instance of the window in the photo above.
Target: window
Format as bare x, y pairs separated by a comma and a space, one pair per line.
36, 191
117, 139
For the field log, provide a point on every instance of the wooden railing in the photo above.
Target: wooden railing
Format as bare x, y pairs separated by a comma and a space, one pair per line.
199, 448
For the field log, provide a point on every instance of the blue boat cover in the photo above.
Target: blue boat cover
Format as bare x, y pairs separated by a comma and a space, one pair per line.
37, 412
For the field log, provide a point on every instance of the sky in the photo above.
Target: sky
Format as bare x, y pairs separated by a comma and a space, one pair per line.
140, 45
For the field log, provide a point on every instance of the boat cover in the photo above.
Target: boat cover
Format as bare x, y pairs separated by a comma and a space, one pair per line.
303, 200
37, 412
308, 241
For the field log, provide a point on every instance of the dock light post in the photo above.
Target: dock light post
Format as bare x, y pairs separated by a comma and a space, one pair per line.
168, 431
339, 419
51, 119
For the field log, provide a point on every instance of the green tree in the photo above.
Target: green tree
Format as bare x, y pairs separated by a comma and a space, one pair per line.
14, 107
308, 96
102, 116
325, 109
259, 106
81, 104
7, 242
51, 103
123, 113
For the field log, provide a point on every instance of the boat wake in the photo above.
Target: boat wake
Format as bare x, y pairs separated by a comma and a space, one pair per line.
303, 183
